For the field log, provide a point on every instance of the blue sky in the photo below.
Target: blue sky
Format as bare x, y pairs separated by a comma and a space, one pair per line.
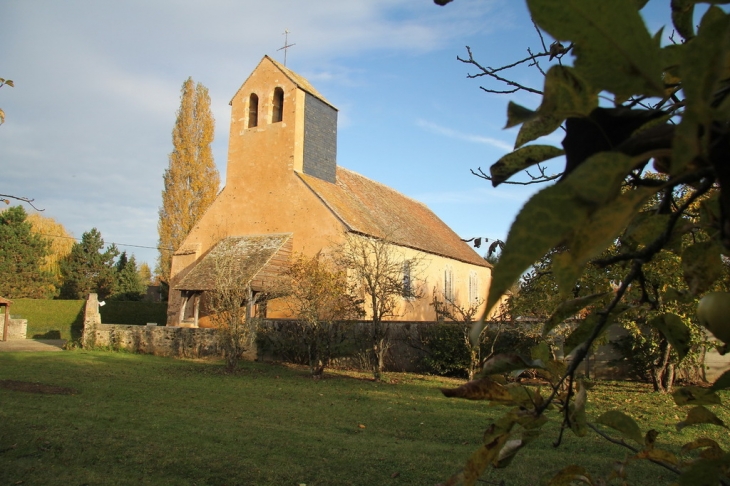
97, 84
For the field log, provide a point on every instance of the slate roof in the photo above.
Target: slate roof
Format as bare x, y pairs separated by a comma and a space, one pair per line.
302, 83
251, 255
370, 208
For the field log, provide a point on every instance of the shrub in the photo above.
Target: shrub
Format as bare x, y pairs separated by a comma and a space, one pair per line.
446, 351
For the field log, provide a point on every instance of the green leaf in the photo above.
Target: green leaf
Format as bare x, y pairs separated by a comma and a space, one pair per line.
700, 415
605, 225
541, 224
614, 51
675, 330
683, 17
517, 114
645, 228
541, 352
565, 95
702, 266
622, 423
521, 159
703, 69
695, 395
580, 334
569, 308
598, 179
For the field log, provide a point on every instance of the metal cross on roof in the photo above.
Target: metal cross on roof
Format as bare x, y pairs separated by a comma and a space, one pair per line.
286, 44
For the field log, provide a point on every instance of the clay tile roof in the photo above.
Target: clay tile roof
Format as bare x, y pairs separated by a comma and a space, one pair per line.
373, 209
252, 255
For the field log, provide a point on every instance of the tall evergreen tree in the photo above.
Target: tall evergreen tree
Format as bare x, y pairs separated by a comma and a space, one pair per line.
191, 180
22, 254
129, 283
89, 269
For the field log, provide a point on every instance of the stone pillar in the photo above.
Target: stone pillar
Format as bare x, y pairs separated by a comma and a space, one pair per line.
92, 318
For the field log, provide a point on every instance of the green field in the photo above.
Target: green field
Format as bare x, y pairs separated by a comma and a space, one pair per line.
136, 419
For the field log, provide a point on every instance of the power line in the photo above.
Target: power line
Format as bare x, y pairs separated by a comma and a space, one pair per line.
112, 242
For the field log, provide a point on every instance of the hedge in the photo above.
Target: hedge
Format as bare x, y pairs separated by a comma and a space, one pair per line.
64, 319
50, 319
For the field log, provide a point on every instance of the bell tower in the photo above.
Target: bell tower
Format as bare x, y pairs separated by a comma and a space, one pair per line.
279, 124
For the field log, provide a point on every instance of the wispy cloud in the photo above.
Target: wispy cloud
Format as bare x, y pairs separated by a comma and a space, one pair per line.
451, 133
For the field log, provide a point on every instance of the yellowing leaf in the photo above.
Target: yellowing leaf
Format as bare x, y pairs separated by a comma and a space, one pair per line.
700, 415
658, 455
622, 423
695, 395
565, 95
568, 475
482, 389
520, 159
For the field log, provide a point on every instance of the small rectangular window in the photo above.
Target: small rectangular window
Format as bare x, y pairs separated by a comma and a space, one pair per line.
407, 290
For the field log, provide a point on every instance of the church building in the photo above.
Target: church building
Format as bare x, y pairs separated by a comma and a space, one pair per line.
285, 195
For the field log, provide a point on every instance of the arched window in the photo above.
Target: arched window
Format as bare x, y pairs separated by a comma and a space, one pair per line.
278, 113
253, 111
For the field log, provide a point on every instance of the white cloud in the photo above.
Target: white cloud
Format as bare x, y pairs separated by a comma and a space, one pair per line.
451, 133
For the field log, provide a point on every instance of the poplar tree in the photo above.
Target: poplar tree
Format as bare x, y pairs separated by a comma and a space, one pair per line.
191, 180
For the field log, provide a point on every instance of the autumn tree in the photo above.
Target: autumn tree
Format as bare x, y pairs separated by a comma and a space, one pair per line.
191, 180
145, 274
89, 268
385, 279
231, 300
665, 107
22, 256
60, 240
318, 296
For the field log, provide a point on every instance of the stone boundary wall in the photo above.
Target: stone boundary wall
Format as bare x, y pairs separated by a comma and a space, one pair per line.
17, 328
405, 353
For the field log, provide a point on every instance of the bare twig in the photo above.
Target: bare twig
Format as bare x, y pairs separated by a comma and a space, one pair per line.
20, 198
633, 449
533, 179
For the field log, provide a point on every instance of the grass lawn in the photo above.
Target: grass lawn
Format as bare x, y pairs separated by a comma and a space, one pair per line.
139, 419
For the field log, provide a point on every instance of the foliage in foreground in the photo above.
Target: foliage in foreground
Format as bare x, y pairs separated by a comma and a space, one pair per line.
671, 106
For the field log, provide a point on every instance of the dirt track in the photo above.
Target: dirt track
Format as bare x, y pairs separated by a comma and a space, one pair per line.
14, 345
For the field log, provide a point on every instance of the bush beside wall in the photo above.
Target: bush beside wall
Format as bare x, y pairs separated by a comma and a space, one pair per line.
50, 319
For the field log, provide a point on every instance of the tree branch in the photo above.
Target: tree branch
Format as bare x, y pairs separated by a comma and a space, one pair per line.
20, 198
